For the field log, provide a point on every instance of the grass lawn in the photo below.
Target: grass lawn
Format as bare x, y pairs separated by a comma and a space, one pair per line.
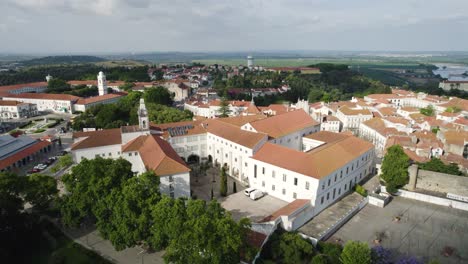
54, 247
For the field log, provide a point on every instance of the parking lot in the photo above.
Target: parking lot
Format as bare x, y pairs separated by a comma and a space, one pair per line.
414, 228
242, 206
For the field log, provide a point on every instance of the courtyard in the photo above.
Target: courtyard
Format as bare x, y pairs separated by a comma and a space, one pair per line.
413, 228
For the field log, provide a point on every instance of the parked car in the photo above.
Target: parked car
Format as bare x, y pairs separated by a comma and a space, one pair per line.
257, 194
62, 153
248, 191
33, 171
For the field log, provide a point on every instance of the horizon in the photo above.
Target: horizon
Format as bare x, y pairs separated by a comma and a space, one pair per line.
144, 26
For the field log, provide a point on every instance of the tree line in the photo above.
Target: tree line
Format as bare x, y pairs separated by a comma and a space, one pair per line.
130, 211
158, 101
74, 72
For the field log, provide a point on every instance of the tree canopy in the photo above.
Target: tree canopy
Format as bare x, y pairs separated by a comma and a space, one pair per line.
356, 252
158, 95
437, 165
128, 210
395, 168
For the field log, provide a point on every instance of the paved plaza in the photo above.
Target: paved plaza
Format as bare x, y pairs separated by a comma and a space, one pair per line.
242, 206
410, 227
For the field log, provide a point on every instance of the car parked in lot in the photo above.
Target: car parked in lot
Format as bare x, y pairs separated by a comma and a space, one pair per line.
248, 191
257, 194
33, 171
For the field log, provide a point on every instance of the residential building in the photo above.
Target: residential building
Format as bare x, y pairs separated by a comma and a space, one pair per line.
353, 117
16, 110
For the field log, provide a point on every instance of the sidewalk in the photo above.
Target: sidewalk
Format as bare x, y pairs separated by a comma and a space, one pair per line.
90, 239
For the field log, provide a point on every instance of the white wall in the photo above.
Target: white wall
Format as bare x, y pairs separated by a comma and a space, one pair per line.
278, 179
111, 151
45, 105
177, 184
190, 144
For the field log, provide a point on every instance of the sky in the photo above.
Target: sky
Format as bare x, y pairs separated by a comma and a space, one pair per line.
93, 26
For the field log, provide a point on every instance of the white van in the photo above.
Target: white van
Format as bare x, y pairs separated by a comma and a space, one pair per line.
257, 194
248, 191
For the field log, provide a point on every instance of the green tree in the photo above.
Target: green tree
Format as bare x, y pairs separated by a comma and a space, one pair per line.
395, 168
295, 249
223, 182
355, 252
319, 259
158, 95
209, 235
428, 111
437, 165
224, 110
57, 86
40, 190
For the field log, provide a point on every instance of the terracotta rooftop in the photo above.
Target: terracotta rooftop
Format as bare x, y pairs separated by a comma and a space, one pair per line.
7, 88
241, 120
157, 155
280, 125
456, 137
97, 138
287, 209
10, 103
457, 102
318, 162
234, 133
94, 99
349, 111
45, 96
4, 163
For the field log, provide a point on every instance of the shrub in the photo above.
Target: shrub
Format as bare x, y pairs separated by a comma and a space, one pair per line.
361, 190
380, 255
356, 252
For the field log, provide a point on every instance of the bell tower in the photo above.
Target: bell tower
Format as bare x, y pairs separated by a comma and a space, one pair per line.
143, 120
102, 83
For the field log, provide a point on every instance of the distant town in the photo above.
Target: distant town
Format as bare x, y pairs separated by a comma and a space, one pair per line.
288, 164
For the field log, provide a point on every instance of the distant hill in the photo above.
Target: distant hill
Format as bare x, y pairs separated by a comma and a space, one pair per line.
50, 60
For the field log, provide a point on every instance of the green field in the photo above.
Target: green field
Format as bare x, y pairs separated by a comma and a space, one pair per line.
309, 61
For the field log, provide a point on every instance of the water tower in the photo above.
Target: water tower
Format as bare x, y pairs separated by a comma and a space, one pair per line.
250, 61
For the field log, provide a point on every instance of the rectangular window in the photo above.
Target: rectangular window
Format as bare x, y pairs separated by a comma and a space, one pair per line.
284, 177
341, 174
323, 186
339, 191
295, 181
334, 192
263, 183
347, 170
263, 170
171, 179
321, 200
284, 191
273, 187
329, 181
328, 196
273, 174
294, 195
255, 171
335, 177
136, 153
307, 186
110, 154
345, 187
245, 164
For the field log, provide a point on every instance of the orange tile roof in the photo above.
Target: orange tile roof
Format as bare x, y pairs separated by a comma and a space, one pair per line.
252, 109
280, 125
45, 96
457, 102
10, 103
387, 111
4, 163
318, 162
287, 209
97, 138
94, 99
241, 120
349, 111
7, 88
86, 82
157, 155
233, 133
277, 108
456, 137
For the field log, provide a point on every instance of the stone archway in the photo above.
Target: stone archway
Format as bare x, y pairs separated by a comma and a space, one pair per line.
193, 159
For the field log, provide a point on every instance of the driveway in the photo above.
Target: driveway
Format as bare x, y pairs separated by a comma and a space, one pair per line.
242, 206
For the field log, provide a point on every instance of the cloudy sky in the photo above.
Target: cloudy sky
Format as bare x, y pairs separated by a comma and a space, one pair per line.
67, 26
